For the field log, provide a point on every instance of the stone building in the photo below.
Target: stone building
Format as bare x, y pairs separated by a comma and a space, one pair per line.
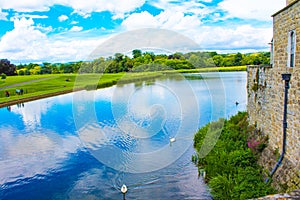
266, 92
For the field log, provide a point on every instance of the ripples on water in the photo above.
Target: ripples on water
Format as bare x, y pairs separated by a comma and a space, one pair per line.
44, 155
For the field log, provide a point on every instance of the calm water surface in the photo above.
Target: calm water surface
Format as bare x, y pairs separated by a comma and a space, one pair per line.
85, 145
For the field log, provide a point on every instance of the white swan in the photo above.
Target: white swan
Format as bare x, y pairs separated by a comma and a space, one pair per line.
172, 140
124, 189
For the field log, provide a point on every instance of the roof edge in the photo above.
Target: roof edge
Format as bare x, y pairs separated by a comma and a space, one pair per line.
288, 6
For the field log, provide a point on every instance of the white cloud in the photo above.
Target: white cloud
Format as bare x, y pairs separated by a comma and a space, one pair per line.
245, 9
177, 20
3, 15
208, 37
76, 28
74, 22
242, 37
26, 5
63, 18
137, 20
169, 19
83, 8
251, 9
116, 7
28, 43
21, 36
84, 14
178, 14
31, 16
45, 29
180, 6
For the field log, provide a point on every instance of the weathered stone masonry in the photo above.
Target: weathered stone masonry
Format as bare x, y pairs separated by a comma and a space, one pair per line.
266, 98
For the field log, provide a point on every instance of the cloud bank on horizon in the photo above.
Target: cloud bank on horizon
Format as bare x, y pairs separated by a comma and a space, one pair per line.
69, 30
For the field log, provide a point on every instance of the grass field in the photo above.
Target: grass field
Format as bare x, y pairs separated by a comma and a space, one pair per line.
40, 86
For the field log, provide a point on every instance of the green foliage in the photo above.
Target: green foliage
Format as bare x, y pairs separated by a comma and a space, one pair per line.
136, 53
3, 76
222, 187
21, 72
7, 68
148, 62
48, 68
231, 167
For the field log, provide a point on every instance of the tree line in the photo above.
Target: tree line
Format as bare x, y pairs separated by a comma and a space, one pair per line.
139, 61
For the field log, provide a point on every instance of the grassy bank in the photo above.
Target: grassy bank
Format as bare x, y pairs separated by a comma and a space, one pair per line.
231, 166
214, 69
41, 86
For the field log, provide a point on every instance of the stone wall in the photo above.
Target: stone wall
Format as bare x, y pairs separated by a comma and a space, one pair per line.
290, 1
265, 108
266, 99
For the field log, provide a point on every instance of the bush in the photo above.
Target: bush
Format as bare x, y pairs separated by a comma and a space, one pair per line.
21, 73
231, 166
3, 76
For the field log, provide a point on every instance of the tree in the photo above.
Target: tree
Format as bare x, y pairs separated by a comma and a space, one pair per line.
179, 56
21, 72
218, 60
128, 63
68, 68
136, 53
54, 69
86, 67
195, 61
36, 70
31, 66
238, 59
3, 76
99, 65
118, 57
7, 68
46, 69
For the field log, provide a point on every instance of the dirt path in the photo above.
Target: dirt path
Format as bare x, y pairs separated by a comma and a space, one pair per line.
27, 82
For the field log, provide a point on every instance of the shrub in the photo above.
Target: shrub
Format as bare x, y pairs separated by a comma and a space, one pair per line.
231, 166
21, 72
3, 76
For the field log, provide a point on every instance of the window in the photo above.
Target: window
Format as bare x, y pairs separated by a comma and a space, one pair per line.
271, 52
291, 49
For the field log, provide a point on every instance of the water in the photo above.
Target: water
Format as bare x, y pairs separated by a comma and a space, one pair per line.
87, 144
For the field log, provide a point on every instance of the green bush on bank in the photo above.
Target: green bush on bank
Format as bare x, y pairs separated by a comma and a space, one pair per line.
231, 166
3, 76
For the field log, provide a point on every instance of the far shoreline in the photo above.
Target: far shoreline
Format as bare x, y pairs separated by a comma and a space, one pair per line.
57, 93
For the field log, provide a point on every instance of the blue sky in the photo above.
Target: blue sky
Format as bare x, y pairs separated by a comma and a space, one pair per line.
69, 30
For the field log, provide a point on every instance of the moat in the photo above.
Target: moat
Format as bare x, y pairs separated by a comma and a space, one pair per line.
87, 144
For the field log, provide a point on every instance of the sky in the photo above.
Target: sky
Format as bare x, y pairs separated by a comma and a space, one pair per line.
70, 30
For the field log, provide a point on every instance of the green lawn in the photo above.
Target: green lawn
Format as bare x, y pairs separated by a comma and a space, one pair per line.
10, 80
52, 84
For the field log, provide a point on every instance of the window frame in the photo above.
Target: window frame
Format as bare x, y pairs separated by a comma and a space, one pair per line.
291, 48
272, 52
